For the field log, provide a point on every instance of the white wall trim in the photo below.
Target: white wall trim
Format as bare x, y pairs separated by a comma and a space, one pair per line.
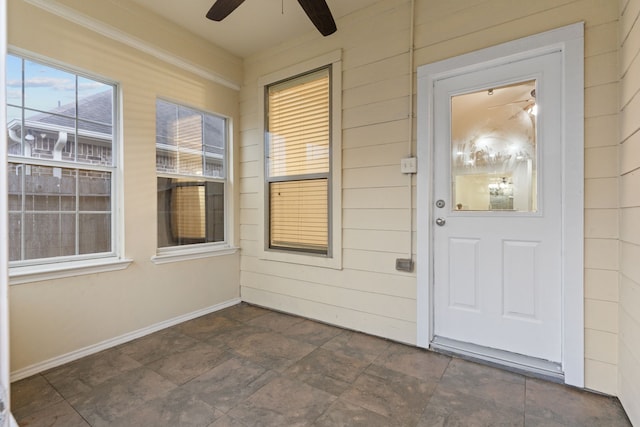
570, 41
61, 270
113, 33
112, 342
188, 254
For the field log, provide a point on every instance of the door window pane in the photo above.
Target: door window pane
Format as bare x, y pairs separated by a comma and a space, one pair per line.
494, 149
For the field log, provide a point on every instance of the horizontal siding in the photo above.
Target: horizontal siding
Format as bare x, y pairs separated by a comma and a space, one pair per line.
378, 211
629, 323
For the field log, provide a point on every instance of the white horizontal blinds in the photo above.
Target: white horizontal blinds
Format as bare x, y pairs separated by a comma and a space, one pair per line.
299, 214
299, 126
298, 167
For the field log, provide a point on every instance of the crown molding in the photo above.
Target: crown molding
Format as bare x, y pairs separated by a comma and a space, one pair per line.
113, 33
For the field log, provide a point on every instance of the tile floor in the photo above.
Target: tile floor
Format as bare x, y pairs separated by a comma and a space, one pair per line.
247, 366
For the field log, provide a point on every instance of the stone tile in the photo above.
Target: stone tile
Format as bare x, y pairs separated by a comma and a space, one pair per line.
417, 362
84, 374
534, 421
327, 371
462, 410
313, 333
243, 330
229, 383
270, 350
283, 402
207, 327
277, 322
226, 421
182, 367
560, 404
243, 312
32, 395
355, 344
58, 415
391, 394
120, 395
178, 408
492, 385
344, 414
155, 346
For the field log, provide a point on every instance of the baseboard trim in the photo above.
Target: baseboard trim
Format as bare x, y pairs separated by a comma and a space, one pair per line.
112, 342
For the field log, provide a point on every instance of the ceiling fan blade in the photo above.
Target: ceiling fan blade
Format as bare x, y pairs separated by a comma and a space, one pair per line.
319, 13
222, 8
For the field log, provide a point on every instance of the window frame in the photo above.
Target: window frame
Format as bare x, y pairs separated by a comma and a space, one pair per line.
300, 177
40, 269
190, 251
333, 258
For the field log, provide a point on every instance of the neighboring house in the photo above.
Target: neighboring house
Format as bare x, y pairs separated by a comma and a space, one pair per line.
149, 280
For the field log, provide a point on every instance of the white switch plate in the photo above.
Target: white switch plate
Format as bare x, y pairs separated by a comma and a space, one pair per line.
408, 165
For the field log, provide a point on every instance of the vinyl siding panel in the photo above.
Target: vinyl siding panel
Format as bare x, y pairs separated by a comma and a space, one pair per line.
629, 316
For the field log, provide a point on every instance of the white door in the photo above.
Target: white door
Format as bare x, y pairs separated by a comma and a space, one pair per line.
497, 207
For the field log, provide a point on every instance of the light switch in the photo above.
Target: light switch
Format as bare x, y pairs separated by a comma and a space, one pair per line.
408, 165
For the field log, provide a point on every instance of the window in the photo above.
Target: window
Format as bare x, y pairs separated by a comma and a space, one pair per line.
298, 163
191, 168
61, 164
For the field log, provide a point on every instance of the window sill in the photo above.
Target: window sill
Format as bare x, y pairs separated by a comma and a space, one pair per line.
43, 272
186, 254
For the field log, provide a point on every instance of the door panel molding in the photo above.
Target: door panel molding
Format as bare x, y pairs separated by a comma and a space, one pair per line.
569, 41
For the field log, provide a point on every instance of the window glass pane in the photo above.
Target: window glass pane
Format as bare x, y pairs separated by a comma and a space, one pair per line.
214, 145
494, 149
95, 101
93, 147
14, 131
94, 191
299, 215
166, 117
48, 89
15, 236
94, 233
49, 189
189, 212
14, 183
14, 80
48, 235
298, 126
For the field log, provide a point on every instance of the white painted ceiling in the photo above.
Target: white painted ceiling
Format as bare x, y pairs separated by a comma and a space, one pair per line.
253, 26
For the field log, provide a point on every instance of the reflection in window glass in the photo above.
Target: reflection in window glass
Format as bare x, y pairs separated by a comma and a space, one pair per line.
494, 149
190, 162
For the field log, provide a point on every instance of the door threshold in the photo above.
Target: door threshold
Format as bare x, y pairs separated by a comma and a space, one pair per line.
514, 362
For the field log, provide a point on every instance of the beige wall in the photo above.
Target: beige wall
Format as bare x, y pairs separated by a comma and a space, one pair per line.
368, 293
52, 319
629, 348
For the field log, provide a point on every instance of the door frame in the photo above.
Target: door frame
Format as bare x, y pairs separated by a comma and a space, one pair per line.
569, 41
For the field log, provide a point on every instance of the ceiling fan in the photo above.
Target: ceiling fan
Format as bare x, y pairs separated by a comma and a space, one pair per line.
317, 11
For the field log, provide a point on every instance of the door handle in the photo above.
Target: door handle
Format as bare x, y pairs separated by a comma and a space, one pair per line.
440, 222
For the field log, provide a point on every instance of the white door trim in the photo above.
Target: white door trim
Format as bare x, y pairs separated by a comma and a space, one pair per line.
570, 41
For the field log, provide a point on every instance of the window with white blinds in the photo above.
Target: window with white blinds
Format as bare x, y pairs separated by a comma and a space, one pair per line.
298, 171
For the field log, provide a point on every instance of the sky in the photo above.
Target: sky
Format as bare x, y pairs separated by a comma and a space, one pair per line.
45, 88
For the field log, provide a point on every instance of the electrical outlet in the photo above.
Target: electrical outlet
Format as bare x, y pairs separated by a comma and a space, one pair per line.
408, 165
